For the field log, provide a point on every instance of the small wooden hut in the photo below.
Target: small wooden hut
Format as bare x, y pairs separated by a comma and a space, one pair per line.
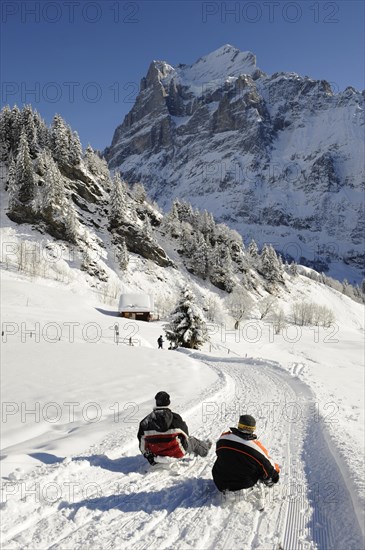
136, 306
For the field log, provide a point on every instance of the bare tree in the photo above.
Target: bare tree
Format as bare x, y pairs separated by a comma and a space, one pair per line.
34, 262
310, 313
279, 320
328, 317
266, 306
213, 309
163, 305
302, 313
239, 305
109, 292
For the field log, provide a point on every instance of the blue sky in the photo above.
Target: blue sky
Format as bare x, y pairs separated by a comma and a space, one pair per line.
84, 59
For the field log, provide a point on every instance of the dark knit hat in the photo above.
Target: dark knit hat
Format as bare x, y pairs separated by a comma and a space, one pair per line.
247, 423
162, 399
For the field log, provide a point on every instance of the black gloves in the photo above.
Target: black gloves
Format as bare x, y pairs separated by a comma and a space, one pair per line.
269, 481
150, 457
275, 477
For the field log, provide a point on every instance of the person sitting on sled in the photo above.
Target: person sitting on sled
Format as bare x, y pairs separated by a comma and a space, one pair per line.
242, 460
164, 433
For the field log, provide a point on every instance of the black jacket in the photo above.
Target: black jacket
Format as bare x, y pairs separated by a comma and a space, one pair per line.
162, 419
241, 461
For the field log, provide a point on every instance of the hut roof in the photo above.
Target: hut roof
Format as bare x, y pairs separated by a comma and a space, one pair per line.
136, 303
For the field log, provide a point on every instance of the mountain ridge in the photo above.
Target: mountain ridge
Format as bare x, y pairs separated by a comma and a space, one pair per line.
277, 157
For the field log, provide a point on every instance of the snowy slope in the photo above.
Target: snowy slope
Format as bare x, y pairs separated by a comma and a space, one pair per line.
85, 471
66, 344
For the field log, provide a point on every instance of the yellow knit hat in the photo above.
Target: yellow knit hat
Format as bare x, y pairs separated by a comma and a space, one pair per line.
247, 423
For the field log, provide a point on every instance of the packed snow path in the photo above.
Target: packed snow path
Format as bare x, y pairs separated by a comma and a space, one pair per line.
104, 499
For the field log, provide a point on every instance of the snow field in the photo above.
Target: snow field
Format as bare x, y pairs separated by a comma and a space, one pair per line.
132, 509
80, 482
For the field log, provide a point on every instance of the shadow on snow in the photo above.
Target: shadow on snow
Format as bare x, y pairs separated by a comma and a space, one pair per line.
47, 458
123, 465
189, 493
111, 313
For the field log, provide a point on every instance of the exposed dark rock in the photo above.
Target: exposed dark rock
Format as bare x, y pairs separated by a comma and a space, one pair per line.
137, 242
94, 269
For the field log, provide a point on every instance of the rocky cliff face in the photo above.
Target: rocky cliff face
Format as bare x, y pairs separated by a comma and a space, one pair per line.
279, 158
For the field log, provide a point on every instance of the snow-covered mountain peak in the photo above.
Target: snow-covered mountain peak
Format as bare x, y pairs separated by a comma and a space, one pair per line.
219, 65
279, 157
161, 67
223, 62
216, 68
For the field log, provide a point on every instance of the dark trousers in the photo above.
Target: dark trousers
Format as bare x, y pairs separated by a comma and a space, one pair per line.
198, 447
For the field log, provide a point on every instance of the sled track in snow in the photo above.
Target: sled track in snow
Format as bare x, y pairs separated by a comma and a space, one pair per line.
333, 521
160, 511
316, 508
268, 528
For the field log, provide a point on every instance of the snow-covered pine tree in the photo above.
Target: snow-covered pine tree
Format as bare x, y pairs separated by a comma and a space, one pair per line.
12, 186
122, 254
185, 211
117, 204
5, 133
93, 162
293, 269
207, 225
236, 249
270, 267
265, 263
60, 140
41, 162
89, 158
171, 223
253, 250
199, 256
29, 127
16, 129
53, 206
139, 193
53, 193
186, 239
97, 165
187, 327
43, 132
220, 267
24, 172
71, 224
75, 153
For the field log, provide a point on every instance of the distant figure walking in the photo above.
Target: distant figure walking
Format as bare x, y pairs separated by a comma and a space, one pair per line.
116, 333
160, 342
